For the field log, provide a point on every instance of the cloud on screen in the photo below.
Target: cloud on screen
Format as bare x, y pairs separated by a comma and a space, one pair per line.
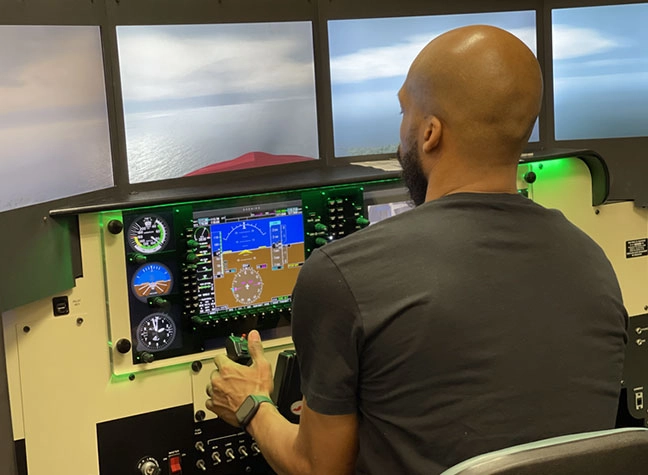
395, 60
49, 67
159, 64
571, 42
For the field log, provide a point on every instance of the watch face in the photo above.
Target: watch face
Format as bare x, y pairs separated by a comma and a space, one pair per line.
243, 414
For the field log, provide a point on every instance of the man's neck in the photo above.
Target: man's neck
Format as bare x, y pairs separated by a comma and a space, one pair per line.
485, 180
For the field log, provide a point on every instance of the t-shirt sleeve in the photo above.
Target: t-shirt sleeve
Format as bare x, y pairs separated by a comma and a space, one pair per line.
327, 334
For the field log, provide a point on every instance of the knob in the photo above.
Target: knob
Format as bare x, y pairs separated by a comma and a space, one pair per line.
123, 345
255, 448
147, 357
229, 453
320, 241
193, 244
149, 467
201, 465
137, 258
158, 302
320, 227
242, 451
216, 458
115, 226
362, 221
530, 177
191, 257
200, 447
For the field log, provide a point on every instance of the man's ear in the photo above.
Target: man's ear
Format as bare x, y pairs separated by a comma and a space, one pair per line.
432, 133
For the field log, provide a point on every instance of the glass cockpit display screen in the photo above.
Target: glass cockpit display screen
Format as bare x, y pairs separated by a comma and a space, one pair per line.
369, 60
254, 256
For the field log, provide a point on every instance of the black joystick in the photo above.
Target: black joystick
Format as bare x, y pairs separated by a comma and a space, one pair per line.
237, 350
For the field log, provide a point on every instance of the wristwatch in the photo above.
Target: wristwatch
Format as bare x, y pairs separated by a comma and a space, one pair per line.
249, 408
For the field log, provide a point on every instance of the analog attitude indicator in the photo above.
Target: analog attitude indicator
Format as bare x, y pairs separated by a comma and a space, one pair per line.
148, 234
151, 280
247, 286
156, 332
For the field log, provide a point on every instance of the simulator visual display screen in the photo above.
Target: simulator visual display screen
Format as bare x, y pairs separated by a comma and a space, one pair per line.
600, 68
54, 136
383, 211
210, 98
369, 61
254, 256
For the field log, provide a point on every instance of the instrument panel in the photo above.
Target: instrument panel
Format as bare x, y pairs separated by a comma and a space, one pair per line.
183, 277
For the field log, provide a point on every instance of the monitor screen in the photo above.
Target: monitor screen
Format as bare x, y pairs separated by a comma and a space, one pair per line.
249, 256
380, 212
54, 136
210, 98
369, 60
600, 71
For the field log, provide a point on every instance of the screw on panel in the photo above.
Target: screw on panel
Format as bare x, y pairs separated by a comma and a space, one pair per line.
646, 307
131, 377
598, 211
26, 329
79, 321
196, 366
200, 415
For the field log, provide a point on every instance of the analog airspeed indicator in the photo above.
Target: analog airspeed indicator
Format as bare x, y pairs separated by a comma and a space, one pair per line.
148, 234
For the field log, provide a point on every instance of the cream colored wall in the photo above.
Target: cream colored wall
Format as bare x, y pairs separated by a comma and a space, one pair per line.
64, 377
566, 185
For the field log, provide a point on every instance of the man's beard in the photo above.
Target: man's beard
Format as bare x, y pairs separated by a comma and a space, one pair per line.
412, 174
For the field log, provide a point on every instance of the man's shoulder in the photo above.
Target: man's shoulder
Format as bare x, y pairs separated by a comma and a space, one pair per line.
381, 233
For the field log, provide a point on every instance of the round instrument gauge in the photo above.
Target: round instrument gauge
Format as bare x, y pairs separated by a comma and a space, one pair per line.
247, 286
148, 234
151, 280
201, 235
156, 332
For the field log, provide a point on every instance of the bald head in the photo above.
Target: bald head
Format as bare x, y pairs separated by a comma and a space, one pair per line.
485, 87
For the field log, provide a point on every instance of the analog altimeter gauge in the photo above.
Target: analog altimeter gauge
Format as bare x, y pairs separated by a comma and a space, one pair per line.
148, 234
156, 332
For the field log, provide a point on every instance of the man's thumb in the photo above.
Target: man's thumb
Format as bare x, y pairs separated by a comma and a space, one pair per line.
254, 345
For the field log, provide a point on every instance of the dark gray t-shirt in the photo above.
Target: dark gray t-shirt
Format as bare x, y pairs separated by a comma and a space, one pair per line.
471, 323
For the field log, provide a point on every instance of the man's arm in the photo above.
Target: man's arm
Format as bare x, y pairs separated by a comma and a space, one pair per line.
320, 444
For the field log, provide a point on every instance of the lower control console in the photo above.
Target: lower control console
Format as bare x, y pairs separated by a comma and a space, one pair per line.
169, 442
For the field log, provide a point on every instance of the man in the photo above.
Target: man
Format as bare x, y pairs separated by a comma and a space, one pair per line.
477, 321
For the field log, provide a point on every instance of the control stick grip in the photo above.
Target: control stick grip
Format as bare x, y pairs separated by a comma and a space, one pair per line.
237, 350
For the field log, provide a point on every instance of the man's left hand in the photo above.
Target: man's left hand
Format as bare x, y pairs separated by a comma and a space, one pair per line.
231, 382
